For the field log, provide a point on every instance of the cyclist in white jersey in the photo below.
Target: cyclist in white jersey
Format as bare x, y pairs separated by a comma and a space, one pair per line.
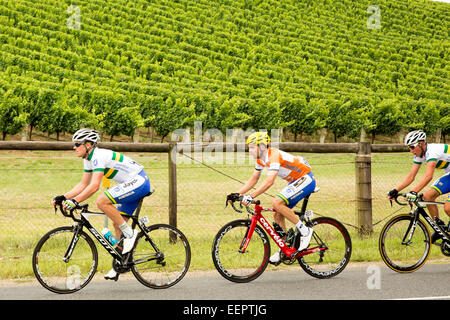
103, 164
436, 156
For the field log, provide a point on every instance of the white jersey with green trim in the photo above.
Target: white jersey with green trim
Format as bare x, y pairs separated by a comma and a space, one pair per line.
115, 165
436, 152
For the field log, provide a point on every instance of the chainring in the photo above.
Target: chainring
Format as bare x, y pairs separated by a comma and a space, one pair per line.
118, 267
445, 248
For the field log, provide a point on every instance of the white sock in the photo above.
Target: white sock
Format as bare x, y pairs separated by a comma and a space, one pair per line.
302, 228
126, 230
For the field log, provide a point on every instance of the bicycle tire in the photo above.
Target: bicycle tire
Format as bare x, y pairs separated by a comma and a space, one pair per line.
399, 256
332, 261
64, 277
174, 261
234, 265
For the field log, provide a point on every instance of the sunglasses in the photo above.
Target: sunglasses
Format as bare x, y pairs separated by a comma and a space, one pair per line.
77, 144
413, 146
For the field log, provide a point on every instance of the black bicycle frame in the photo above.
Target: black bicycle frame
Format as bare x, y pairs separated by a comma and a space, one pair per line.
419, 211
84, 222
304, 204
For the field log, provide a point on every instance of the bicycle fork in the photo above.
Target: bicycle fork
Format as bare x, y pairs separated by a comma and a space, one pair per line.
248, 235
410, 231
73, 242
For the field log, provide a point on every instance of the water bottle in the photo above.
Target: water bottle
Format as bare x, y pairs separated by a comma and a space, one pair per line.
109, 236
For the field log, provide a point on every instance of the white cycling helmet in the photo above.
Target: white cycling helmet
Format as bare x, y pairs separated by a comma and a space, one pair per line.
415, 137
84, 135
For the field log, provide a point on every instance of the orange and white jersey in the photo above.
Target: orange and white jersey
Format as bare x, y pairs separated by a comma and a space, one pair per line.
289, 167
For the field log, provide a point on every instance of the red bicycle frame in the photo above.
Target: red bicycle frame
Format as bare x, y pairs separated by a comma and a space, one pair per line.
289, 252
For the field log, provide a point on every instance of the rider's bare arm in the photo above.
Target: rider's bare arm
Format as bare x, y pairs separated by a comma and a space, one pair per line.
85, 181
271, 175
409, 178
251, 182
431, 165
91, 188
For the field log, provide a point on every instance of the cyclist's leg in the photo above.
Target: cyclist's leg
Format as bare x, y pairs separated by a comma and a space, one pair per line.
439, 187
447, 206
296, 191
431, 195
126, 196
289, 197
447, 211
106, 205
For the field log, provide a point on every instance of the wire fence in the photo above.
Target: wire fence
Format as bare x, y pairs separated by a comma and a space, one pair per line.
30, 179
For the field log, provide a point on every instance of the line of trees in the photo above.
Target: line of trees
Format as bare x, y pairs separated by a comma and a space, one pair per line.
53, 112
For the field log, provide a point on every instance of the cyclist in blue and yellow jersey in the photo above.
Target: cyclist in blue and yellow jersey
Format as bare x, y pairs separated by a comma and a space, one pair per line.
132, 185
293, 169
436, 156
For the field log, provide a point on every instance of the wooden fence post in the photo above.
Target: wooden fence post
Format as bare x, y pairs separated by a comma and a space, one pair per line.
364, 188
173, 184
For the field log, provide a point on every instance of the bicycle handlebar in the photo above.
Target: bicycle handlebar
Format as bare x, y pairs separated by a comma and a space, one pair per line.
416, 201
234, 197
404, 196
69, 214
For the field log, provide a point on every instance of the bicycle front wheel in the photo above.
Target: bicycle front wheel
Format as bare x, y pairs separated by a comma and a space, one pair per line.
161, 257
65, 261
332, 249
404, 246
233, 264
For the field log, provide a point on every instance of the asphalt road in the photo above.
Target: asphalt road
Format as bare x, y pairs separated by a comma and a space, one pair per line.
357, 282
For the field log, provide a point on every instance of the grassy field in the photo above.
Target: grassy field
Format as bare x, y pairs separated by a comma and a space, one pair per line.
31, 179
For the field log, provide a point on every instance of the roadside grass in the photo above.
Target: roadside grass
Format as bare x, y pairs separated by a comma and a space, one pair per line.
30, 179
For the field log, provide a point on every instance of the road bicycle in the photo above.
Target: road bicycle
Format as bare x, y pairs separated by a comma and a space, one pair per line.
405, 241
241, 248
66, 258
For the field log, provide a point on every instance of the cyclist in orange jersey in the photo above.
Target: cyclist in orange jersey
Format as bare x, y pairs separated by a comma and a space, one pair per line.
294, 169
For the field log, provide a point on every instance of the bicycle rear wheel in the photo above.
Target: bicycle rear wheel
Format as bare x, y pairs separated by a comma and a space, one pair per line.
331, 236
61, 275
228, 259
162, 257
403, 247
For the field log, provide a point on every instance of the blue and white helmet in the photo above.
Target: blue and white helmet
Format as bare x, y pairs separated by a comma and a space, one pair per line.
84, 135
415, 137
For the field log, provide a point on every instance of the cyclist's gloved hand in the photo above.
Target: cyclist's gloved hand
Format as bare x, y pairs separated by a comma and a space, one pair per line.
246, 200
392, 194
70, 204
411, 196
231, 198
58, 200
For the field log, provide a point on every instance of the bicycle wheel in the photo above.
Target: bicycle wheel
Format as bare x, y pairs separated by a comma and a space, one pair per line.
228, 259
61, 275
330, 235
162, 257
404, 247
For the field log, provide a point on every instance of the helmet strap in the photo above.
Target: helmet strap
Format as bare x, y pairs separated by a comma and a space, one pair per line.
423, 150
86, 154
261, 152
